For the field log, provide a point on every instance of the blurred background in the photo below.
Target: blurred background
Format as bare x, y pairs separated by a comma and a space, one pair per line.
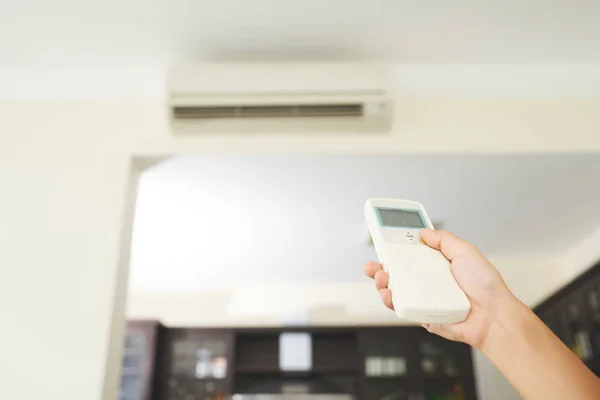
230, 253
182, 190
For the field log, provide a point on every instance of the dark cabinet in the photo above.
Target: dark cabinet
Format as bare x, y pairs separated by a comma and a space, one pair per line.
411, 364
333, 355
592, 304
591, 292
200, 364
445, 368
366, 363
573, 314
386, 364
140, 373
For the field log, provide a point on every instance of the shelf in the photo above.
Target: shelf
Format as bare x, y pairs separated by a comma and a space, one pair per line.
257, 369
254, 369
334, 370
441, 376
435, 376
385, 377
339, 363
190, 377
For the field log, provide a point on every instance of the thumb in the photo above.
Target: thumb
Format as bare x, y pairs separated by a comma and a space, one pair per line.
450, 245
444, 331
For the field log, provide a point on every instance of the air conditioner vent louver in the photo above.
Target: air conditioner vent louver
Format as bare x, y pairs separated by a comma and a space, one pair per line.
280, 111
280, 98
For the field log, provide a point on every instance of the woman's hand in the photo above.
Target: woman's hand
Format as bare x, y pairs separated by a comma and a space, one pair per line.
478, 278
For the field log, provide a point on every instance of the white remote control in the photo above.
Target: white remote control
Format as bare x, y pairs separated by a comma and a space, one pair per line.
422, 285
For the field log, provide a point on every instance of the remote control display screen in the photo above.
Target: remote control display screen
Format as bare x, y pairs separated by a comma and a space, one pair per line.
400, 218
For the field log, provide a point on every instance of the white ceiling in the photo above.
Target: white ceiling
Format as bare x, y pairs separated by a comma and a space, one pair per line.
69, 49
67, 33
217, 221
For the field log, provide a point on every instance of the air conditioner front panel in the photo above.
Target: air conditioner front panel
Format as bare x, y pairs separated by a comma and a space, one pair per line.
305, 126
274, 78
307, 98
261, 98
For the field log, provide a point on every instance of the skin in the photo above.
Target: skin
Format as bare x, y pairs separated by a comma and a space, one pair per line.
533, 359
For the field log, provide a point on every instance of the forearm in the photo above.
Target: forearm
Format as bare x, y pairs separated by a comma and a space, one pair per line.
534, 360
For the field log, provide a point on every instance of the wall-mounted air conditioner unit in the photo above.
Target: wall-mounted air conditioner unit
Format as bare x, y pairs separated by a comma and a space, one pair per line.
260, 98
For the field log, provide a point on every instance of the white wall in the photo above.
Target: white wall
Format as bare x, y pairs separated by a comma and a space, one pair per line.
264, 304
531, 278
583, 256
64, 176
329, 303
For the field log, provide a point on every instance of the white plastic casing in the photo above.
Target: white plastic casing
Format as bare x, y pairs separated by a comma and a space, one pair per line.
420, 279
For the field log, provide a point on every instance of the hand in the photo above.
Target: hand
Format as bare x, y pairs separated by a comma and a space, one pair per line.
477, 277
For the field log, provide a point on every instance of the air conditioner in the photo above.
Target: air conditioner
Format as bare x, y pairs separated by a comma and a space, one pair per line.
259, 98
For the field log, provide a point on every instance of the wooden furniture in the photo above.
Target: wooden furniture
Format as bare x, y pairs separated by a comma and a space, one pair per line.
199, 364
435, 368
141, 373
573, 314
369, 363
334, 363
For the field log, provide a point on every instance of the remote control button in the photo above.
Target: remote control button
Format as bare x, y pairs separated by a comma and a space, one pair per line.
411, 237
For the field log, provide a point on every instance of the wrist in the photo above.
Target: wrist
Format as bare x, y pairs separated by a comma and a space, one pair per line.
507, 318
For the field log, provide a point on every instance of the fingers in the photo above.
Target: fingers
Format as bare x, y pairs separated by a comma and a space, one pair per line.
371, 268
381, 280
376, 272
386, 297
444, 331
449, 244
